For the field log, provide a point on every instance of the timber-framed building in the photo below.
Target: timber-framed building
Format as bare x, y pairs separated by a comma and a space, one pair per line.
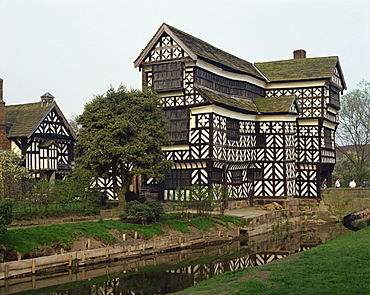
267, 129
40, 133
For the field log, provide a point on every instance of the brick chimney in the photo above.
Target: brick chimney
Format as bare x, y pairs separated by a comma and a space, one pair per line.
4, 141
299, 53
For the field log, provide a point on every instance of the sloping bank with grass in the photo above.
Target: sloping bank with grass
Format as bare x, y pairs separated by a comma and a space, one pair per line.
340, 266
122, 239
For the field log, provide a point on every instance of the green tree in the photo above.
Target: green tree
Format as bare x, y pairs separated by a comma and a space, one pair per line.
121, 136
347, 170
354, 130
13, 176
73, 123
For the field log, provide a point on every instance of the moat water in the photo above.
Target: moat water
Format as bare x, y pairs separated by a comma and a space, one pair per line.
174, 271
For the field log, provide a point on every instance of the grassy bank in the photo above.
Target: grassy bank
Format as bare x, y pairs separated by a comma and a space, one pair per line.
340, 266
25, 240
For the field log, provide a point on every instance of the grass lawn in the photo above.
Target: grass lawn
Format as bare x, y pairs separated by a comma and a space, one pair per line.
25, 240
340, 266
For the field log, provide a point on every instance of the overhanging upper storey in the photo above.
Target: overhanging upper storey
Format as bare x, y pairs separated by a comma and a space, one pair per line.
170, 43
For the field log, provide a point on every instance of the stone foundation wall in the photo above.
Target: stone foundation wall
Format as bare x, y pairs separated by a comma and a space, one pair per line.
238, 204
266, 222
343, 201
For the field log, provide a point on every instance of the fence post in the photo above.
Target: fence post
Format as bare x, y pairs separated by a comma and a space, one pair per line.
33, 282
6, 271
69, 260
33, 266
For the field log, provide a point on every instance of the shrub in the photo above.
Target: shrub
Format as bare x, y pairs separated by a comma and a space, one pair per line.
137, 212
200, 198
221, 195
127, 210
6, 214
72, 195
156, 208
142, 212
131, 196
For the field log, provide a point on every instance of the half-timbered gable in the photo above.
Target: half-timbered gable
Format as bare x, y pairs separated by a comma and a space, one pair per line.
275, 146
40, 132
317, 84
267, 129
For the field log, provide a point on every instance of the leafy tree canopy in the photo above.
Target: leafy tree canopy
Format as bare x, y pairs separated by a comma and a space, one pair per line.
347, 170
354, 129
121, 136
73, 123
12, 175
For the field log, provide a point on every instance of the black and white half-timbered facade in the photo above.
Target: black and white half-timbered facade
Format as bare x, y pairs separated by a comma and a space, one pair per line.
39, 132
266, 129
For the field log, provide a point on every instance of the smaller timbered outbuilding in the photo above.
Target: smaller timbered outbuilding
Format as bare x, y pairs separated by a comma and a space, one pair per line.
39, 132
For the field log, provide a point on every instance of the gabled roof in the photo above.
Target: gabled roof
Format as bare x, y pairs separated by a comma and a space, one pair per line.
23, 119
198, 49
300, 69
265, 105
281, 104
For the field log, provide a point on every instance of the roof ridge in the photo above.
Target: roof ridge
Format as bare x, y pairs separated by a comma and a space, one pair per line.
28, 103
170, 27
199, 49
290, 59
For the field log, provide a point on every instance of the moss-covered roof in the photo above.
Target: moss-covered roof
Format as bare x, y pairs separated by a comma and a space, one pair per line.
206, 52
21, 119
299, 69
281, 104
264, 105
225, 100
209, 52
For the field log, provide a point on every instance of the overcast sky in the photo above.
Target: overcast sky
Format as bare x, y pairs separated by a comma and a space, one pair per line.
76, 49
